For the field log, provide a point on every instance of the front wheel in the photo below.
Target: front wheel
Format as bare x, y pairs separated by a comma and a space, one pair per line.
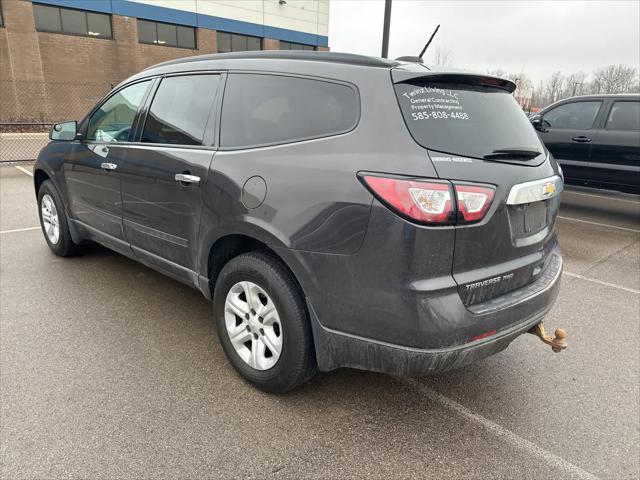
263, 323
53, 221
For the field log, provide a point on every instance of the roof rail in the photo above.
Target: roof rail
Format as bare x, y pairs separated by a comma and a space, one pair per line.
313, 56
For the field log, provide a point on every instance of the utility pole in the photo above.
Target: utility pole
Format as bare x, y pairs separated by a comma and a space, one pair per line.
575, 84
531, 101
385, 28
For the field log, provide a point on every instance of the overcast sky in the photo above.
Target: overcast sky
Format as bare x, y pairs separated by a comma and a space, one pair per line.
539, 37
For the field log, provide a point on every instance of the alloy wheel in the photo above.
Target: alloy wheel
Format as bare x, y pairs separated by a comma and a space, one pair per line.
253, 325
50, 220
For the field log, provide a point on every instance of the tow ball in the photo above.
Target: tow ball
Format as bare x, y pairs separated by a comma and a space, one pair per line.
558, 343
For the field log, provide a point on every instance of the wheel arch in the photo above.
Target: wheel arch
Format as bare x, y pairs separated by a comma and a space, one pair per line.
230, 245
39, 177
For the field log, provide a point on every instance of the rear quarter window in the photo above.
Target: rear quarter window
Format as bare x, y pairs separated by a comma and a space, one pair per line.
625, 116
263, 109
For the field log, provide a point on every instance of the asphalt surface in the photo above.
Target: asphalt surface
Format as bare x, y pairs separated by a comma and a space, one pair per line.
110, 370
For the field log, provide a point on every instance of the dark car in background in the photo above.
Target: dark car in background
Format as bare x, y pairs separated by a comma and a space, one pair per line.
596, 140
340, 210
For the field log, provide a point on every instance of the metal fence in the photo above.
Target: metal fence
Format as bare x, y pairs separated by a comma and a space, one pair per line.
28, 109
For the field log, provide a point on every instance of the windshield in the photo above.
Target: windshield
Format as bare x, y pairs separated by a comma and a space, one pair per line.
467, 120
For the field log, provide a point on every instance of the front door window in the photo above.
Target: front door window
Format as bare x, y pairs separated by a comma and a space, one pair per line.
112, 122
572, 116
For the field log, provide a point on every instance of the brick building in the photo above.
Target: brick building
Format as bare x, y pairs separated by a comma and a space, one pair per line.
58, 57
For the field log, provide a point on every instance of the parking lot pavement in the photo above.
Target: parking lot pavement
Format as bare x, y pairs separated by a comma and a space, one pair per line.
18, 208
110, 370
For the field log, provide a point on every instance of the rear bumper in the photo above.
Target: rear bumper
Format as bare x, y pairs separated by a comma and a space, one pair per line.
526, 306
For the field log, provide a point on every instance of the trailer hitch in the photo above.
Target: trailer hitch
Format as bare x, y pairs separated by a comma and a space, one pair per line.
558, 343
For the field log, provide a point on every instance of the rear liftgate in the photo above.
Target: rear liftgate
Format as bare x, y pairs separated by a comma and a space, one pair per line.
477, 137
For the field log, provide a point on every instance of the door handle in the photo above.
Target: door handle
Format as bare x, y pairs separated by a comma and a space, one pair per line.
108, 166
186, 178
581, 139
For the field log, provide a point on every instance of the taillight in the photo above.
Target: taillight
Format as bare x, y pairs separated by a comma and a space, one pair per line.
473, 201
432, 202
423, 202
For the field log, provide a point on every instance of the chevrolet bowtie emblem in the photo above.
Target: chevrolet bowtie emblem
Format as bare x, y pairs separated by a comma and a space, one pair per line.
549, 189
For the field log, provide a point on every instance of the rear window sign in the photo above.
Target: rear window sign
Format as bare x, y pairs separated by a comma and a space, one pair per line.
432, 103
466, 120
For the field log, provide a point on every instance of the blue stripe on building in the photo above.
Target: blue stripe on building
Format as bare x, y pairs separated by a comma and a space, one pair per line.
170, 15
152, 12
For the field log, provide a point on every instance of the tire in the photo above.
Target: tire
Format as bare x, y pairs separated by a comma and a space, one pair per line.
61, 244
272, 286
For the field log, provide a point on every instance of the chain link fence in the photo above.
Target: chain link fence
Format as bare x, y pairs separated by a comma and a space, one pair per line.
28, 109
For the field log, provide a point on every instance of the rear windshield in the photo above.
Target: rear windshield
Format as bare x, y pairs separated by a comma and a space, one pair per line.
466, 120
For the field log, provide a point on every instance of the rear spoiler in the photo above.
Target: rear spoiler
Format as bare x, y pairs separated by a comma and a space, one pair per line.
400, 75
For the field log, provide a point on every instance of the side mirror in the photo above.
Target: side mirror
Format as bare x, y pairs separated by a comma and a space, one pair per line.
536, 121
65, 131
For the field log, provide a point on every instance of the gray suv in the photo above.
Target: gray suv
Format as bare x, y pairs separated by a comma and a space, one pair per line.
339, 210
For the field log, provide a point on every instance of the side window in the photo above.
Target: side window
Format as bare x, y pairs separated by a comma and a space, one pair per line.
113, 120
269, 109
624, 116
573, 116
180, 110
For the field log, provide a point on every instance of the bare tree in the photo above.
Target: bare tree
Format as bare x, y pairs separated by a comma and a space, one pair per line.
523, 85
615, 79
552, 87
443, 56
609, 79
498, 72
522, 80
575, 84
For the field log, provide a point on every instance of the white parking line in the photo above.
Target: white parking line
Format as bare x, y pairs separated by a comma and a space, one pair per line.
16, 230
635, 230
573, 192
600, 282
24, 170
501, 432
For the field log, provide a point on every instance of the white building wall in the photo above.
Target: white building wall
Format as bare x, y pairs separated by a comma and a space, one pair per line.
308, 16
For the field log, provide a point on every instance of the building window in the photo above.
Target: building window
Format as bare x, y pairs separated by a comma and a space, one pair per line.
232, 42
1, 17
295, 46
72, 22
166, 34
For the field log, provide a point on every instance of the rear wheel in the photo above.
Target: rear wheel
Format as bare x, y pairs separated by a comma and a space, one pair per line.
53, 221
263, 323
